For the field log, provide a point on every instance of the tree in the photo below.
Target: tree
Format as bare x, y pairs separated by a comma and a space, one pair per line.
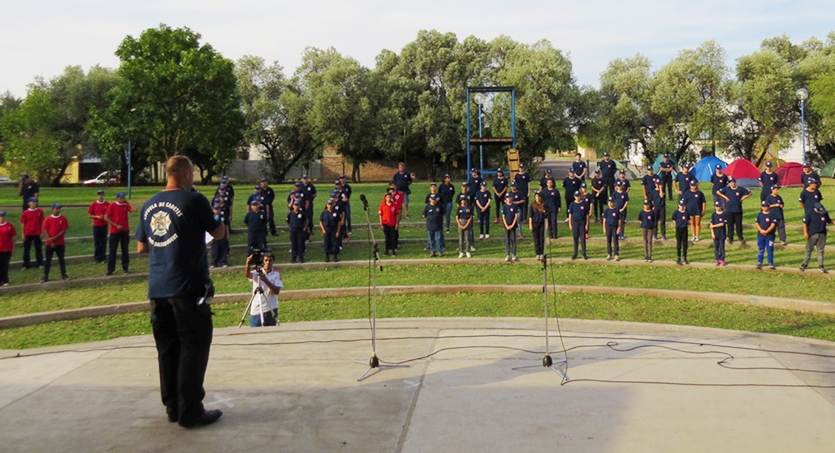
176, 95
8, 102
30, 145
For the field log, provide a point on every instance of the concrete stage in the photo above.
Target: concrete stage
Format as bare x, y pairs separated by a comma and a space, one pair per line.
294, 388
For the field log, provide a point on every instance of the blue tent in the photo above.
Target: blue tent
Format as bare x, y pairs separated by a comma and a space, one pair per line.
706, 168
656, 166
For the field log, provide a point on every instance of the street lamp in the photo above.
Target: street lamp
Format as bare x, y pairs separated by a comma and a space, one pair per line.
480, 100
803, 94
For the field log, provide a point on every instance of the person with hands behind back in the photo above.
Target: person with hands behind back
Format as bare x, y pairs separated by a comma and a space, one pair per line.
268, 279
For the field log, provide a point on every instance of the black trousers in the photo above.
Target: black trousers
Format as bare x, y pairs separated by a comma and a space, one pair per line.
271, 217
220, 252
661, 215
552, 225
28, 241
297, 238
568, 200
600, 205
183, 335
391, 237
539, 238
499, 202
735, 221
667, 184
329, 242
719, 247
578, 229
612, 240
609, 181
100, 243
58, 250
483, 222
116, 239
681, 242
5, 258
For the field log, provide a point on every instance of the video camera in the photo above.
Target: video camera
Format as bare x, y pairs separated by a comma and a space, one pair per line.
258, 257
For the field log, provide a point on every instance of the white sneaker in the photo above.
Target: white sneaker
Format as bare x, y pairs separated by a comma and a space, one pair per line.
468, 255
481, 236
514, 258
507, 258
472, 249
487, 236
461, 255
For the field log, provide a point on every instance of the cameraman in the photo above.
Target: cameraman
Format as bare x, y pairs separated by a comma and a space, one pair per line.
269, 280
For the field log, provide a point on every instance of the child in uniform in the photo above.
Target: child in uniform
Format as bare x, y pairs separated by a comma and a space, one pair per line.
682, 221
7, 235
510, 219
648, 225
765, 236
611, 229
718, 232
464, 220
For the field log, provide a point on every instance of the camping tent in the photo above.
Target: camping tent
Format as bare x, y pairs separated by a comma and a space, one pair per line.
790, 174
656, 166
829, 169
775, 163
706, 168
742, 169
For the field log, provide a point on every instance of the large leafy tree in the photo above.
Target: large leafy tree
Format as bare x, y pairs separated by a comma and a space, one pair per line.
8, 102
177, 96
30, 144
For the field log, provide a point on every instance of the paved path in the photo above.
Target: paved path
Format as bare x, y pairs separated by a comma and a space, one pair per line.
294, 388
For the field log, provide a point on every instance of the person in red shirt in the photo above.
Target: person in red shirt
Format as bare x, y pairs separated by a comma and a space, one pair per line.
31, 223
7, 235
54, 228
96, 211
117, 217
388, 222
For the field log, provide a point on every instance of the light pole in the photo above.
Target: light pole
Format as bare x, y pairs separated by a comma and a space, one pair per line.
803, 94
480, 99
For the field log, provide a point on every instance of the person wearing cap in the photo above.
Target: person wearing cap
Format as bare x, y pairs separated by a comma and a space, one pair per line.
434, 224
599, 190
7, 235
580, 167
733, 196
117, 217
648, 184
474, 181
402, 180
589, 200
611, 229
809, 174
27, 189
226, 193
659, 207
220, 246
222, 199
329, 221
696, 204
500, 186
347, 191
578, 219
608, 168
269, 197
808, 196
433, 190
765, 236
814, 230
553, 205
96, 211
389, 213
767, 179
256, 227
297, 194
718, 180
310, 195
547, 175
398, 198
257, 196
483, 201
621, 204
31, 223
54, 228
523, 184
648, 223
464, 221
340, 200
775, 203
718, 232
665, 170
297, 224
447, 193
510, 220
682, 222
627, 186
683, 180
570, 184
538, 222
470, 197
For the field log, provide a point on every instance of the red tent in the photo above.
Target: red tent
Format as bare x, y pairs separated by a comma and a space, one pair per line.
742, 169
790, 174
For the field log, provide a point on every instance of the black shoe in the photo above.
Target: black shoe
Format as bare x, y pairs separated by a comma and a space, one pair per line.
686, 262
336, 258
823, 269
65, 277
759, 265
803, 268
394, 253
108, 274
206, 418
44, 280
574, 257
585, 257
678, 261
327, 258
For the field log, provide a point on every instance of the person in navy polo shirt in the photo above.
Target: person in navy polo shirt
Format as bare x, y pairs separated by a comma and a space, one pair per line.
447, 194
499, 191
434, 223
464, 221
627, 186
765, 236
570, 184
775, 203
482, 208
269, 197
402, 180
809, 196
608, 168
665, 170
683, 180
537, 222
621, 203
648, 184
523, 183
659, 207
611, 228
648, 224
809, 174
718, 181
329, 221
474, 182
767, 179
814, 230
578, 219
599, 190
297, 223
580, 168
510, 220
718, 233
553, 205
682, 221
733, 195
695, 201
546, 176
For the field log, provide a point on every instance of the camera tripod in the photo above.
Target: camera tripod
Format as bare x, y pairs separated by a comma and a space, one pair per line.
257, 292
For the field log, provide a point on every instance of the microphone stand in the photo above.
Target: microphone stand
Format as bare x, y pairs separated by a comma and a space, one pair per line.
374, 256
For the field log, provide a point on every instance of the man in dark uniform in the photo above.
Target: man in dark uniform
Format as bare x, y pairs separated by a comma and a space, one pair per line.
523, 184
733, 196
683, 180
611, 229
269, 197
329, 223
665, 169
297, 223
814, 230
28, 189
578, 219
718, 180
553, 204
347, 191
256, 226
767, 179
474, 183
580, 168
499, 191
310, 195
809, 196
256, 196
809, 174
172, 228
659, 207
608, 167
765, 236
402, 180
446, 192
570, 184
599, 190
621, 203
230, 193
648, 184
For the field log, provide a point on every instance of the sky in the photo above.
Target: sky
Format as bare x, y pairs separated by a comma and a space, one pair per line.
42, 37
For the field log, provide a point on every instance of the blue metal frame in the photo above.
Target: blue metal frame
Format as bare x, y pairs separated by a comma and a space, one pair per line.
512, 91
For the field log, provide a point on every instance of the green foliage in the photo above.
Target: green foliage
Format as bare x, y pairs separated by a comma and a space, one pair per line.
30, 145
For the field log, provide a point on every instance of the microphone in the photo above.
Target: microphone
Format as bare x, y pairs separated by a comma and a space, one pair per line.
364, 201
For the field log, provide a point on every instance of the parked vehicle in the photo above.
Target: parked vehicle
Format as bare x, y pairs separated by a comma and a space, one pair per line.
104, 178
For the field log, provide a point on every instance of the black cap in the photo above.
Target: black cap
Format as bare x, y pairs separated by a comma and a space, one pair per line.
611, 199
649, 167
764, 203
694, 182
682, 203
666, 155
605, 154
263, 179
100, 192
646, 202
2, 213
577, 194
718, 167
819, 208
717, 204
768, 164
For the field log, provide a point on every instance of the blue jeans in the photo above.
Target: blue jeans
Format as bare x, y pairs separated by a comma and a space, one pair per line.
448, 208
765, 243
269, 319
435, 241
